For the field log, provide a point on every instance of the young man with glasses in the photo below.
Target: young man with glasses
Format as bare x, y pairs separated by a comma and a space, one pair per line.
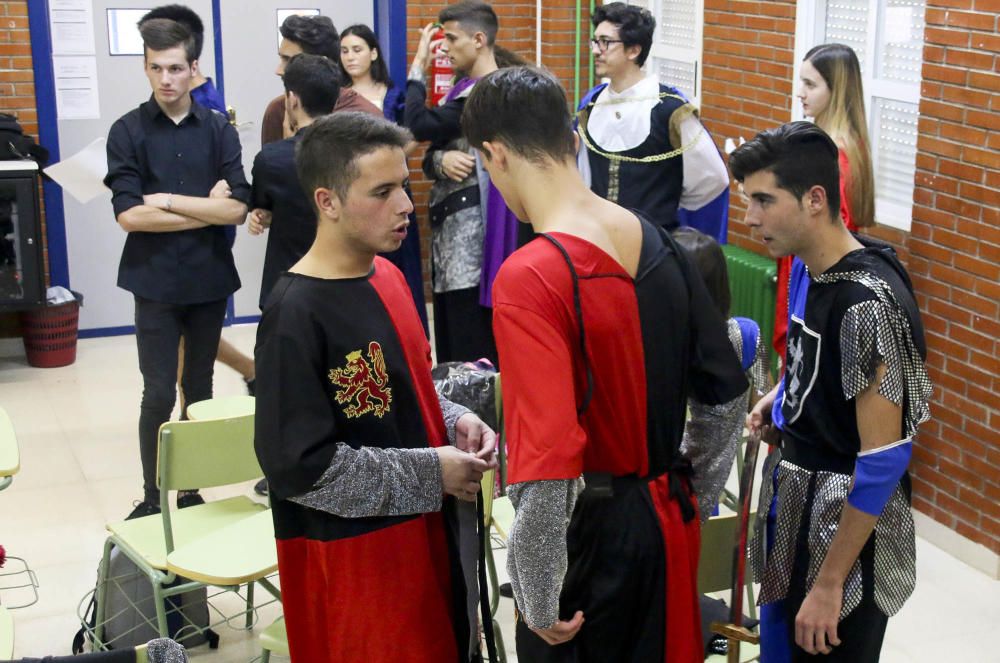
643, 146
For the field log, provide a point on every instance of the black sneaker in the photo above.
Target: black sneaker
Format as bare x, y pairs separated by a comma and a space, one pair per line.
506, 590
251, 386
261, 487
143, 509
184, 500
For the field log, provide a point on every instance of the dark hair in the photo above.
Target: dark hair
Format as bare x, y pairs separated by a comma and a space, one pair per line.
507, 58
474, 17
525, 109
315, 35
635, 25
161, 34
801, 156
183, 15
708, 258
328, 153
315, 81
379, 71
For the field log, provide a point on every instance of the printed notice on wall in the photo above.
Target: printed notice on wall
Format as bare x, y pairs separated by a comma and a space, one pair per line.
76, 87
72, 26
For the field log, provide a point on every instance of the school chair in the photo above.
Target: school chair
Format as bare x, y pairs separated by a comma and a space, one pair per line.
224, 543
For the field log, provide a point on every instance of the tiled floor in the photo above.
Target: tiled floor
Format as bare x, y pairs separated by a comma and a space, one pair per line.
80, 468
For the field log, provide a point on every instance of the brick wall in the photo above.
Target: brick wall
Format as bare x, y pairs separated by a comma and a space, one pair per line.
17, 92
748, 56
953, 248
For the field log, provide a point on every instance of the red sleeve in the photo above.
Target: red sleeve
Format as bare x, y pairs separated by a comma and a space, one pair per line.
540, 396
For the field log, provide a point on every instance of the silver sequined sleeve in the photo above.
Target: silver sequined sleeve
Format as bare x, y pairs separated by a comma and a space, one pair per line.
452, 413
866, 340
878, 331
760, 378
165, 650
536, 548
711, 438
372, 481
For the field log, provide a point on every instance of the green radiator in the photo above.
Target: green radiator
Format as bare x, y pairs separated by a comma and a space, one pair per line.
753, 284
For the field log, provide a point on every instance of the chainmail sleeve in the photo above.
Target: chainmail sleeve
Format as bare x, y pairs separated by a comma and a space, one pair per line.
711, 438
875, 332
759, 376
372, 481
452, 412
537, 558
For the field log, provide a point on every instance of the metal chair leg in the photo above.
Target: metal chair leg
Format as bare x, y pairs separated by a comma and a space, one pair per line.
249, 618
103, 571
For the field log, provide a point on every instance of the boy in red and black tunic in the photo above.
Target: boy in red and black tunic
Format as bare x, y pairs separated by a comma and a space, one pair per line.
350, 432
604, 331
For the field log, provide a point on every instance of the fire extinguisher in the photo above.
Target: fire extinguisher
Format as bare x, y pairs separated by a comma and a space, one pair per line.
442, 73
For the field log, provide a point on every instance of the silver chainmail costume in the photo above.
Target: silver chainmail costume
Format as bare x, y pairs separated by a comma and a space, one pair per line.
873, 332
165, 650
719, 429
382, 482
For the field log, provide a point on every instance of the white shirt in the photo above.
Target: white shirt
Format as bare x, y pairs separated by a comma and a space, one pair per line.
620, 121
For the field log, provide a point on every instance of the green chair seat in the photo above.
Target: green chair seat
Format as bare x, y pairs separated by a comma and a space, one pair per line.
6, 634
235, 554
274, 639
145, 537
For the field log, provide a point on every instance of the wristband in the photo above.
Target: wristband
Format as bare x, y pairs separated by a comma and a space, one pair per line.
876, 474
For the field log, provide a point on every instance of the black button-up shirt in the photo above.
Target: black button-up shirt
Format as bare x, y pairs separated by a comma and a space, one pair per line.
149, 153
276, 187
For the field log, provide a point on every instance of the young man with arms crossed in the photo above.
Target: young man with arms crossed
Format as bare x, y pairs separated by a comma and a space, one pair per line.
351, 435
176, 176
834, 543
603, 336
203, 91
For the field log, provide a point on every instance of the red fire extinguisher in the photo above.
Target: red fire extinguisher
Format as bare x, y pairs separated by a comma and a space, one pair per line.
442, 73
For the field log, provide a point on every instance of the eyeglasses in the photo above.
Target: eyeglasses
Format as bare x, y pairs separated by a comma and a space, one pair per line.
602, 43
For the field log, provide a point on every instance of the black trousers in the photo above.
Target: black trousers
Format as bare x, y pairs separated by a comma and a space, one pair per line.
158, 330
861, 632
463, 329
616, 576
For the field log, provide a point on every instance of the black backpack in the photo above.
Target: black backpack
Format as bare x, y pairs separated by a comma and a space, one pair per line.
14, 145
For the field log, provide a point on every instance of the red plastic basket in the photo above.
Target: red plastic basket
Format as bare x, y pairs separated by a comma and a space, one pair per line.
50, 334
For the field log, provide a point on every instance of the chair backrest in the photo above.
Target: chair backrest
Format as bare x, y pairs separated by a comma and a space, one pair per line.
501, 435
10, 460
715, 566
487, 484
207, 453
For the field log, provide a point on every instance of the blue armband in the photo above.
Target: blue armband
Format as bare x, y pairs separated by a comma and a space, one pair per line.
876, 475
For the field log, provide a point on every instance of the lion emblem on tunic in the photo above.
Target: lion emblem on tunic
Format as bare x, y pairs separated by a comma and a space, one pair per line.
363, 383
